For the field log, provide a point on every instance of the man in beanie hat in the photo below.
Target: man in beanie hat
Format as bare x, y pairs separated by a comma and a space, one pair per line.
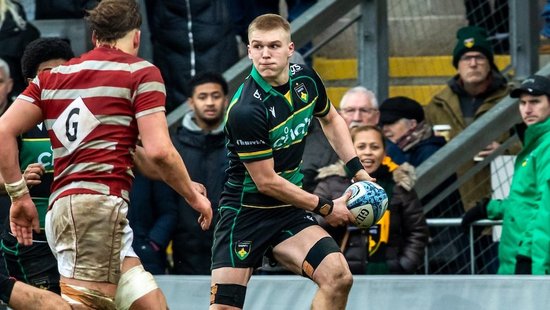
477, 87
525, 241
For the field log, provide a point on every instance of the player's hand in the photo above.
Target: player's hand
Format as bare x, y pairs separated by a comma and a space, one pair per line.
363, 175
24, 219
340, 214
33, 174
202, 205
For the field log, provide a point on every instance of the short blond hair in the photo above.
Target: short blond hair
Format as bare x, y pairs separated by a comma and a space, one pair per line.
268, 22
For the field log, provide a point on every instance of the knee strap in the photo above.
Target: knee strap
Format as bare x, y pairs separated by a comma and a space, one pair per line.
228, 294
316, 254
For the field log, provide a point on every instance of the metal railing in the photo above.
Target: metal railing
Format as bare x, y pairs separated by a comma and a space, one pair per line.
475, 259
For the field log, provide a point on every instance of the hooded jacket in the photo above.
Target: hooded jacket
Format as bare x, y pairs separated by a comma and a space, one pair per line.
204, 154
526, 211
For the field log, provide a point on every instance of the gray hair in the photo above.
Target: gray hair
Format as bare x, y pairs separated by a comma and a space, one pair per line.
4, 66
359, 90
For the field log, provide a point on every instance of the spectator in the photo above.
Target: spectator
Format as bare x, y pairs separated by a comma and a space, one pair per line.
358, 107
35, 264
396, 243
524, 246
403, 123
190, 37
15, 34
153, 221
6, 85
62, 9
477, 87
200, 140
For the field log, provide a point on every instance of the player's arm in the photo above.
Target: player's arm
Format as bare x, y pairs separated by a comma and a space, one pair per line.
19, 118
159, 154
270, 183
337, 133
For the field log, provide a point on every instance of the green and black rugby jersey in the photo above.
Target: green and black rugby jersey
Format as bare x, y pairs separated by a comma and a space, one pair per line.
262, 123
35, 147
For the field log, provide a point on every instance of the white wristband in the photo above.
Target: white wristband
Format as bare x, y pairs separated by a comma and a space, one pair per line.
17, 189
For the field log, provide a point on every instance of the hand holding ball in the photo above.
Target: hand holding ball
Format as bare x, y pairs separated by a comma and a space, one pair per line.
367, 203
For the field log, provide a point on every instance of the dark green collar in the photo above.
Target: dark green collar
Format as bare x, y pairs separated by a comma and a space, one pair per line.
266, 87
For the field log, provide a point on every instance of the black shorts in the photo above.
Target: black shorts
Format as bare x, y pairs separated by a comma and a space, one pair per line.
34, 265
243, 235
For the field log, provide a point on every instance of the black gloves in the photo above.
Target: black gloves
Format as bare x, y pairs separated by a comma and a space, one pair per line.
523, 265
478, 212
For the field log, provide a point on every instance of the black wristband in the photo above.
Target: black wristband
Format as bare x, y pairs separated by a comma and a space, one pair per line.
324, 206
352, 166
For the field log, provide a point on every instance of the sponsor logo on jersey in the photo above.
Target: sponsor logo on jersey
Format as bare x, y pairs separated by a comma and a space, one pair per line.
253, 142
257, 95
292, 134
272, 110
242, 249
295, 68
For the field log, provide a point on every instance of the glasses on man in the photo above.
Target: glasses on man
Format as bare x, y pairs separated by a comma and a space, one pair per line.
351, 111
480, 58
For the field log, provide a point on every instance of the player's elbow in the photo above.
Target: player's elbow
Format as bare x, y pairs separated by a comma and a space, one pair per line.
266, 186
158, 155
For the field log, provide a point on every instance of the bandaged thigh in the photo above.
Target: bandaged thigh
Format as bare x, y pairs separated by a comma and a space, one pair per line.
133, 284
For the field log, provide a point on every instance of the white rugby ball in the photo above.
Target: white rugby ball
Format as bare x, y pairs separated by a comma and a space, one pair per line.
367, 203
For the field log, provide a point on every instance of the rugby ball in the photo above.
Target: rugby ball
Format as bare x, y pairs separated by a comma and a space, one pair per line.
367, 203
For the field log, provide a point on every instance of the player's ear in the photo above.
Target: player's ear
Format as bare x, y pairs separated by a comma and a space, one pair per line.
94, 38
137, 39
290, 49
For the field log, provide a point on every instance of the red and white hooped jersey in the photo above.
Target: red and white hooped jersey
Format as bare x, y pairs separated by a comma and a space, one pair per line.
90, 106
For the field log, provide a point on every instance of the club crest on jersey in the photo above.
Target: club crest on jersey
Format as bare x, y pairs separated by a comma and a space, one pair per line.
301, 91
469, 42
242, 249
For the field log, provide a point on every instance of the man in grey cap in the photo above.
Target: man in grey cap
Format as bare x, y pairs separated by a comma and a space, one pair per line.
525, 240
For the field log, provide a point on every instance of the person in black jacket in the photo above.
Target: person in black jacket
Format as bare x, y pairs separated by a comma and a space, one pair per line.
189, 37
201, 143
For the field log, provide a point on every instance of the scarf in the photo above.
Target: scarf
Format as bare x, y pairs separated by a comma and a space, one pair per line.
421, 132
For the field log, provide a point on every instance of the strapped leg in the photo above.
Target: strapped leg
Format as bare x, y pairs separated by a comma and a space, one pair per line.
316, 254
228, 294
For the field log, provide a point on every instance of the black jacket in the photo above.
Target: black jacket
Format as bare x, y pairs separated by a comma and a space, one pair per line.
205, 157
188, 37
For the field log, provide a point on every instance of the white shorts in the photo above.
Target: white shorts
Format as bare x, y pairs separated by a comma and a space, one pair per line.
90, 236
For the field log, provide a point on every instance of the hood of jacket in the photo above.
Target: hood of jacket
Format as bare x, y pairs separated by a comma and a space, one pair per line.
191, 134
